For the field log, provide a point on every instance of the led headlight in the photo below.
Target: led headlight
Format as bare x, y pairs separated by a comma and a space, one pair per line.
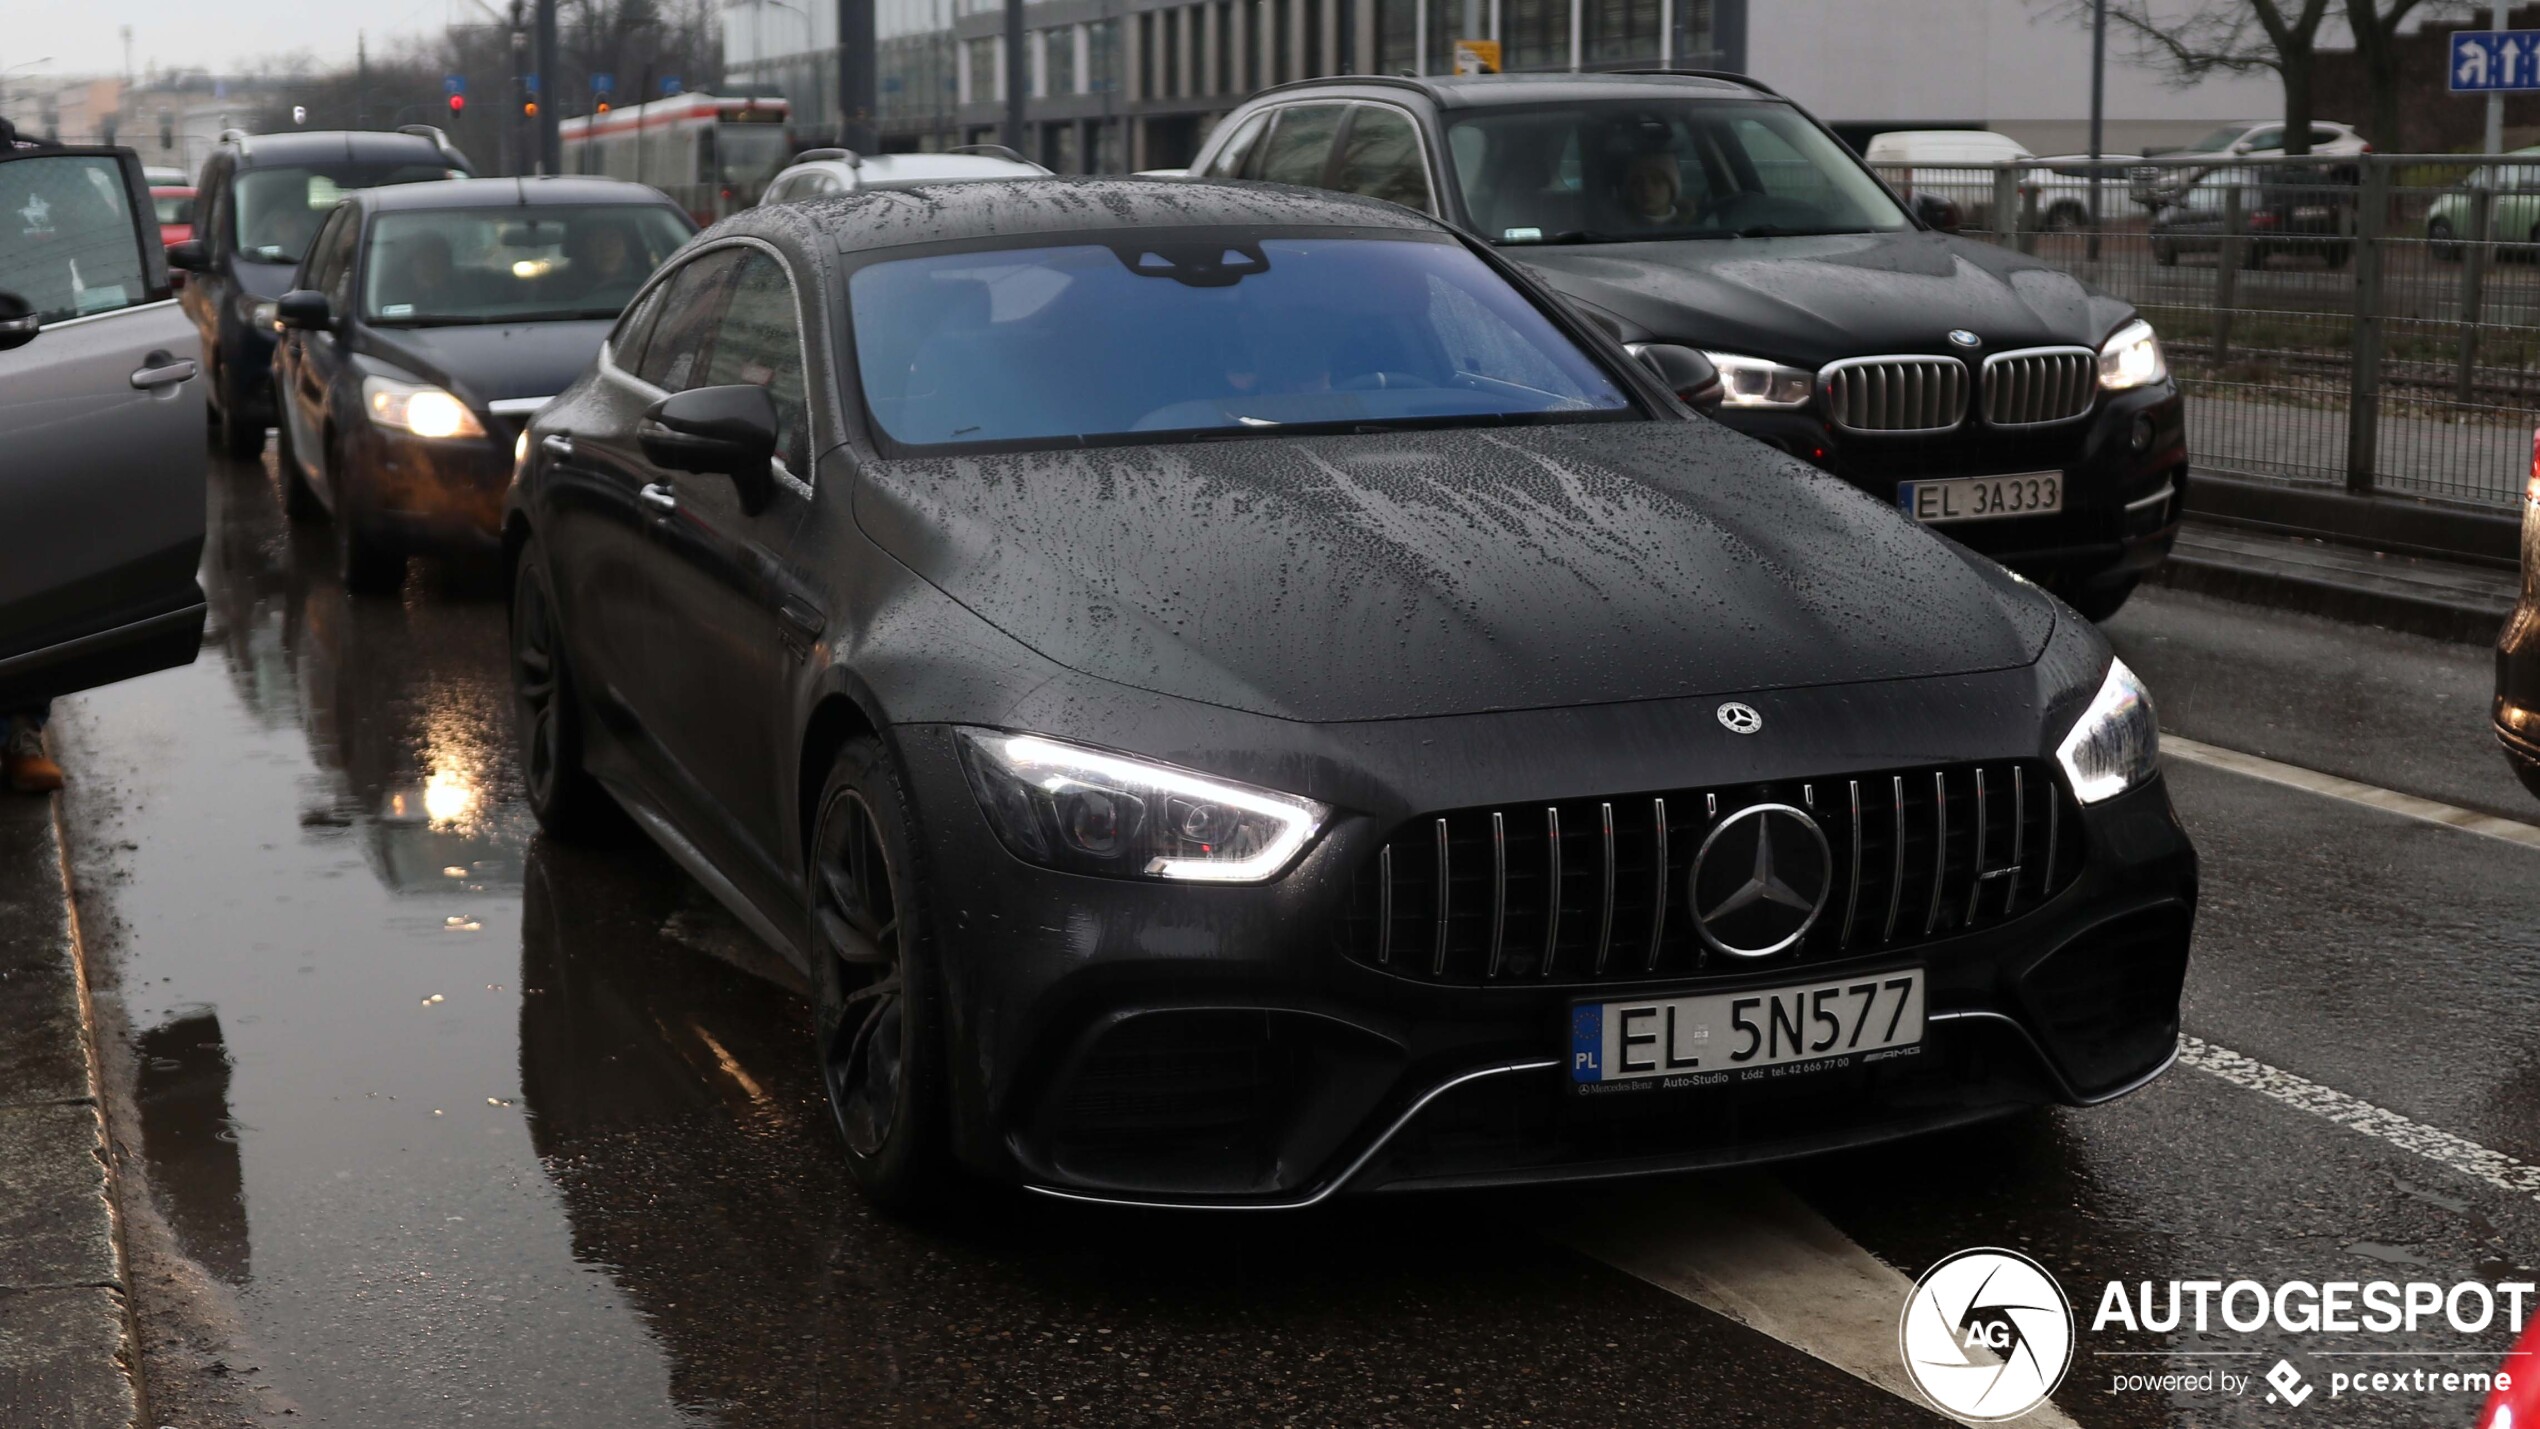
415, 407
1087, 811
1754, 382
2116, 744
266, 315
2131, 359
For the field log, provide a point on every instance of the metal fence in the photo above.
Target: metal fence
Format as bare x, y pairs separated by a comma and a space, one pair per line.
2370, 323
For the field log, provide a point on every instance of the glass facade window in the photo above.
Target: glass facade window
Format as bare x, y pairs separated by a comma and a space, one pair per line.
1618, 32
1102, 56
1058, 50
987, 82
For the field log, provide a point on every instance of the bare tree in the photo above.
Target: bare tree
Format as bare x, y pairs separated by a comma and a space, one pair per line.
2375, 24
2235, 37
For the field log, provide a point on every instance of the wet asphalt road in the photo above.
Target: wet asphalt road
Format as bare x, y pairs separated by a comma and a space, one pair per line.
440, 1124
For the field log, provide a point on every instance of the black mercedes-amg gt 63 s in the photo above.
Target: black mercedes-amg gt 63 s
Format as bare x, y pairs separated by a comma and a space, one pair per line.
1235, 695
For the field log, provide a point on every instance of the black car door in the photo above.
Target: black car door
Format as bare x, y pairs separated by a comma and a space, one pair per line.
307, 361
101, 475
718, 652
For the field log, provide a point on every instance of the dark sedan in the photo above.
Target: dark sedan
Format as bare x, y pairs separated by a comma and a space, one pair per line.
428, 321
2518, 650
1235, 694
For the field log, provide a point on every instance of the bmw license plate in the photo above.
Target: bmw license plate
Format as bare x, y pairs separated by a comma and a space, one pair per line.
1982, 498
1750, 1035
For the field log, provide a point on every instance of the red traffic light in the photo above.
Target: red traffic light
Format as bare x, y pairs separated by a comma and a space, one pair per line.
458, 105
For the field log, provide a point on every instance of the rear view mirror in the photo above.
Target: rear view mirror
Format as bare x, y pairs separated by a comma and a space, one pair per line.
1687, 373
305, 309
18, 322
188, 256
731, 430
1937, 212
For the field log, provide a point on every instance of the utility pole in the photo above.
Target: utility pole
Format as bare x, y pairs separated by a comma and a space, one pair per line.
361, 78
550, 84
1018, 75
516, 139
858, 81
2098, 112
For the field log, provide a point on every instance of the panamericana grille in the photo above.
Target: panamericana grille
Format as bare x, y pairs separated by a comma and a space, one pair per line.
1594, 890
1895, 394
2039, 385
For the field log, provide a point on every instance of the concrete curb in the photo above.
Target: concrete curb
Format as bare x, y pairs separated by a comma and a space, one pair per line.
2445, 600
67, 1348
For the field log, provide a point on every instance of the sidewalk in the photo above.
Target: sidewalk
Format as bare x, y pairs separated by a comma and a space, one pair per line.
2423, 595
66, 1351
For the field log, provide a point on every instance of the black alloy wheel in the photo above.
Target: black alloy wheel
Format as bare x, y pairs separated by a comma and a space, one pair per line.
299, 499
568, 803
367, 562
873, 996
2438, 239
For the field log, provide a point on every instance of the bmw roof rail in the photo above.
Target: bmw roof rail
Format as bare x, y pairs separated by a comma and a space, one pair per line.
1732, 76
831, 154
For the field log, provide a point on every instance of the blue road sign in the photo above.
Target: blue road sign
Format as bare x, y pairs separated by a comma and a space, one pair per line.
2483, 61
670, 84
529, 84
603, 83
454, 84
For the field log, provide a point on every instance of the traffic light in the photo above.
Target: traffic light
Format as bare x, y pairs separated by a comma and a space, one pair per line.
603, 107
458, 106
529, 109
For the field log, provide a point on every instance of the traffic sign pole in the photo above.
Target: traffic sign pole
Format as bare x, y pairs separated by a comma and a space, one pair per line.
2495, 100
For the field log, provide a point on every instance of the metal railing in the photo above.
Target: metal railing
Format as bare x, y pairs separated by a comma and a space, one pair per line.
2370, 323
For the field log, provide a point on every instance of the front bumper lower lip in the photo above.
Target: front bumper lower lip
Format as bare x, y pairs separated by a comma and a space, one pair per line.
1375, 1148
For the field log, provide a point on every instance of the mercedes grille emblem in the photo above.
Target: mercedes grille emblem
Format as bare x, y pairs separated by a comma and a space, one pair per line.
1759, 880
1964, 338
1740, 719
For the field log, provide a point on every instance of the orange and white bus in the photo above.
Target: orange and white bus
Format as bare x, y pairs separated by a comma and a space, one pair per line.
711, 155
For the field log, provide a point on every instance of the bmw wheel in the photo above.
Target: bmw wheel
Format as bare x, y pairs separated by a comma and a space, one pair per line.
874, 999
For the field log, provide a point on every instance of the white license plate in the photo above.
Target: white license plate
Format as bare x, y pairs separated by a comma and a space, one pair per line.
1727, 1037
1982, 498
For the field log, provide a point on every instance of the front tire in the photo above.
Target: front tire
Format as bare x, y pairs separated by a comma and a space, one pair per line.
567, 802
876, 1015
232, 434
299, 499
366, 560
2438, 239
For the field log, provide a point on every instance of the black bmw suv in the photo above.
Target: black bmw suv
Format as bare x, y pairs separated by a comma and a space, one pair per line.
261, 200
2022, 411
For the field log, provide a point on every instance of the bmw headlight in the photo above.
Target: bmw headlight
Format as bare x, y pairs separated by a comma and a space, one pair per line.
417, 407
1089, 811
1754, 382
2116, 744
2131, 359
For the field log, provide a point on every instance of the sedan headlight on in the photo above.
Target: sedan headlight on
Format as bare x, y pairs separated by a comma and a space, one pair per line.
2116, 744
2131, 359
266, 316
1754, 382
1087, 811
415, 407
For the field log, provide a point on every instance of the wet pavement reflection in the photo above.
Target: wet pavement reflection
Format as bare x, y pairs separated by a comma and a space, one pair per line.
477, 1128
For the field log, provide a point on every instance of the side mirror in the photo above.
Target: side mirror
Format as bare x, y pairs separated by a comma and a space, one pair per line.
305, 309
1685, 372
188, 256
18, 322
1937, 212
731, 430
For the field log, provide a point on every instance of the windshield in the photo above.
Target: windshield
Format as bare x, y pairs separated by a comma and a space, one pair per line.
1205, 335
2217, 141
278, 210
513, 264
1636, 170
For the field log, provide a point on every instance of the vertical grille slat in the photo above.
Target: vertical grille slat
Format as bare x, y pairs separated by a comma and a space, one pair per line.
1896, 394
1889, 836
2039, 386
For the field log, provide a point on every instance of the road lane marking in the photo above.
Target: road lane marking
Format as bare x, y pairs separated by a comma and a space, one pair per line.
2371, 796
1743, 1247
2458, 1153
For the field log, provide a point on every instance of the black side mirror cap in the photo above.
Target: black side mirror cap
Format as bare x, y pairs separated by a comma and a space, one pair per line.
305, 309
18, 322
1937, 212
730, 430
189, 256
1685, 372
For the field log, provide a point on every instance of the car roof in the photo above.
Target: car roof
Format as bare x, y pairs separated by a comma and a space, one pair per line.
528, 193
1024, 208
1484, 90
871, 169
305, 146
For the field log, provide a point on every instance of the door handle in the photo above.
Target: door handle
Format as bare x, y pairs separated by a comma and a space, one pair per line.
558, 445
658, 497
161, 370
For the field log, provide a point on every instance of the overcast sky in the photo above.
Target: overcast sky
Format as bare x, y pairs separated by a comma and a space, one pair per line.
82, 36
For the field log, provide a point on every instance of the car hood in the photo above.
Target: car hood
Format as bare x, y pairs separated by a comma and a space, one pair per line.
491, 363
1416, 574
1809, 301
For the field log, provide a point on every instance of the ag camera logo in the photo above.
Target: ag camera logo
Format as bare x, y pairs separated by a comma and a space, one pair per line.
1986, 1335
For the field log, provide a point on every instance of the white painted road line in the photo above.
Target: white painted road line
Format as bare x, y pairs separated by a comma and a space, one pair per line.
1744, 1247
2441, 1147
2389, 801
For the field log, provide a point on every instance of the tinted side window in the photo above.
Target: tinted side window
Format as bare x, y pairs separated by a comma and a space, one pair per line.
1382, 158
70, 244
626, 344
756, 343
1229, 162
691, 305
1299, 144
